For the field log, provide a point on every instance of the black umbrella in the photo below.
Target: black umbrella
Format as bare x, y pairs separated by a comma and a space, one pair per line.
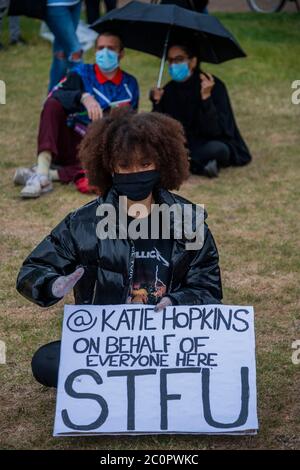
150, 27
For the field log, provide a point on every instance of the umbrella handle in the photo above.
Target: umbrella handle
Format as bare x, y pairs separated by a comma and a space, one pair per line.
163, 60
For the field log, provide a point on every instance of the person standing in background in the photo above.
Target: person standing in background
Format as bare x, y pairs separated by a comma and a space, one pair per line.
93, 7
62, 18
14, 25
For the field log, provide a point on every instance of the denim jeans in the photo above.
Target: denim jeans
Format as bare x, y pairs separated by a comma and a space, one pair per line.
13, 21
62, 22
14, 27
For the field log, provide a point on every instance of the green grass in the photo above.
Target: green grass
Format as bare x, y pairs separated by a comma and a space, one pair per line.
253, 213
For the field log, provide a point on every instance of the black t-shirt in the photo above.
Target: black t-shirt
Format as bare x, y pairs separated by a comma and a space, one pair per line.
151, 274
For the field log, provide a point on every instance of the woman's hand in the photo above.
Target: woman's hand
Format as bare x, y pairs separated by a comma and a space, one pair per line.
207, 84
92, 106
156, 94
64, 284
165, 302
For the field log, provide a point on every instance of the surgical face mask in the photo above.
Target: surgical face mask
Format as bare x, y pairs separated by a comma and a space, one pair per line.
136, 186
107, 60
179, 72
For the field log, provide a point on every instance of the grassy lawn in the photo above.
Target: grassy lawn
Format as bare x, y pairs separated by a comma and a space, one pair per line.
253, 213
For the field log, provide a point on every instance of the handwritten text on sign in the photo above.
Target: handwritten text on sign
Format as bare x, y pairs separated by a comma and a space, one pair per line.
128, 369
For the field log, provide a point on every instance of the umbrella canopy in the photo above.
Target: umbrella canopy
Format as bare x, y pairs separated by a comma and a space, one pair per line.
145, 27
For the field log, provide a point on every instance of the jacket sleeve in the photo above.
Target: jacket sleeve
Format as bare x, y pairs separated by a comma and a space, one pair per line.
157, 107
202, 283
69, 92
230, 131
215, 116
208, 119
135, 95
54, 256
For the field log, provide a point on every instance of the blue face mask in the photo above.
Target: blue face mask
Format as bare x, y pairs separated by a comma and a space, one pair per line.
179, 72
107, 60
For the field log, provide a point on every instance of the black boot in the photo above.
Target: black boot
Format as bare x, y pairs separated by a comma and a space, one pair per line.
211, 169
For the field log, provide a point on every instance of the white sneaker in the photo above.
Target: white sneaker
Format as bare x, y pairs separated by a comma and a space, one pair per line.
22, 175
36, 185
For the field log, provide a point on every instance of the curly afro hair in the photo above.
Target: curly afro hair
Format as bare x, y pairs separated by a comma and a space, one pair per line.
124, 136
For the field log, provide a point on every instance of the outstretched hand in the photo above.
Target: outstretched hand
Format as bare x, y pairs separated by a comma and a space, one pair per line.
64, 284
165, 302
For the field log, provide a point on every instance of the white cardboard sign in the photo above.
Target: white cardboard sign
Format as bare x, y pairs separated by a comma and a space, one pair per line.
126, 369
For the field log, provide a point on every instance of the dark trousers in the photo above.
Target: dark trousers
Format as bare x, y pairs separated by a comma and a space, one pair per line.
45, 363
202, 152
59, 139
93, 7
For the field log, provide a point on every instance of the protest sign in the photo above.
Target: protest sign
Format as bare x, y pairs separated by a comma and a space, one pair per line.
128, 369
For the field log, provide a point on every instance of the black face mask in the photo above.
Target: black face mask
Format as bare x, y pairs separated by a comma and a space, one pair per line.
136, 186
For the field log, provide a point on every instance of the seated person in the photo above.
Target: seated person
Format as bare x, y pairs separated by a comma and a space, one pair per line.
87, 89
140, 156
201, 103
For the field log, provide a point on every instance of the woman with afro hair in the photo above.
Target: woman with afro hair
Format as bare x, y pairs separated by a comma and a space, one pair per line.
134, 161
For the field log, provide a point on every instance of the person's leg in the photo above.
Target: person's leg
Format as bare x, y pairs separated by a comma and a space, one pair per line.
59, 65
1, 21
74, 50
3, 11
63, 22
58, 69
53, 118
45, 364
92, 10
4, 4
208, 157
67, 52
14, 28
68, 164
59, 141
57, 146
67, 173
110, 4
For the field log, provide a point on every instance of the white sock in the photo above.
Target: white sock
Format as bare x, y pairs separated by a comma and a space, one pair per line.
54, 175
43, 163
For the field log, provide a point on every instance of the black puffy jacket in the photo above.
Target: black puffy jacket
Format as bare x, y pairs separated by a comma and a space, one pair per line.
195, 277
